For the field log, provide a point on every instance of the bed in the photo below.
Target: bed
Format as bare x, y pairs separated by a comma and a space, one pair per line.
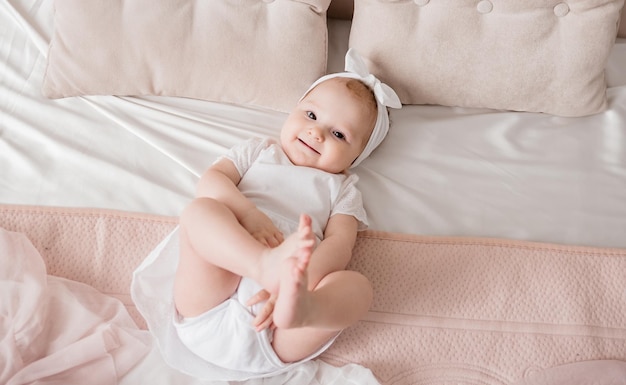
497, 203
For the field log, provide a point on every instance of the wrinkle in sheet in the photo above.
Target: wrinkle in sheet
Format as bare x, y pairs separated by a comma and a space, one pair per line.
26, 17
178, 135
129, 124
80, 154
25, 49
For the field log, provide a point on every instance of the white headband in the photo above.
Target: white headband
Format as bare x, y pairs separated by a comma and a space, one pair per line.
385, 97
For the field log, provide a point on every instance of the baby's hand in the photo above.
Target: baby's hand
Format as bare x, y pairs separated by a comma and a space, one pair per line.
263, 319
260, 226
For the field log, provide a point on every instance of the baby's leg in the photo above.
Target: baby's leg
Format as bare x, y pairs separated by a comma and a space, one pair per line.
216, 251
292, 304
306, 320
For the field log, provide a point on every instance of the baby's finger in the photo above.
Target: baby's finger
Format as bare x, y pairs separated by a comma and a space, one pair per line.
262, 240
272, 241
264, 318
261, 296
278, 239
267, 323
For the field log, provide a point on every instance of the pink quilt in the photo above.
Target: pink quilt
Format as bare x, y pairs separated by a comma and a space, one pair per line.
446, 310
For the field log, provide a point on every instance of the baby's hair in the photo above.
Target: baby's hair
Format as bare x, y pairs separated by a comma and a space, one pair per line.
361, 91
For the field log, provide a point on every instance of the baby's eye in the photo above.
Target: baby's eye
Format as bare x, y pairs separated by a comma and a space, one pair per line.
311, 115
339, 135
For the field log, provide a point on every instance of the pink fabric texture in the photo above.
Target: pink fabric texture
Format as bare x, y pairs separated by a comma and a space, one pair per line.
57, 331
462, 310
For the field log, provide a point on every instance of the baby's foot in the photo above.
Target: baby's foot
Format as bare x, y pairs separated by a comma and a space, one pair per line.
292, 302
298, 245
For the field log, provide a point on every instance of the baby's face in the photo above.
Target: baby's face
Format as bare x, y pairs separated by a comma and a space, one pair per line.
328, 129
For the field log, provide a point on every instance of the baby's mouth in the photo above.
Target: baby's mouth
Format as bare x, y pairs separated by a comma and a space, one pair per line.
312, 149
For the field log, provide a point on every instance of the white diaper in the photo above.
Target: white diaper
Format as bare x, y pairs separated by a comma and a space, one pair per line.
225, 336
220, 344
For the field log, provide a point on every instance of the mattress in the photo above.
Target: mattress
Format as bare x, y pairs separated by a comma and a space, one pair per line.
441, 171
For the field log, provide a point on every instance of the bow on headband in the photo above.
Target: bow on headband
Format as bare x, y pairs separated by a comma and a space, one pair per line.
385, 97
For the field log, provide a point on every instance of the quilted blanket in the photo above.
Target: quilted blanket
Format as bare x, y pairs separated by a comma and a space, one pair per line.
446, 309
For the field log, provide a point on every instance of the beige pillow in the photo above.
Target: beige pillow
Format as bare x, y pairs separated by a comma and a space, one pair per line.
259, 52
531, 55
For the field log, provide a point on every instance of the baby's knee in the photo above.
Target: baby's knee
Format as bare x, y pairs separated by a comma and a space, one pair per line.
198, 209
365, 285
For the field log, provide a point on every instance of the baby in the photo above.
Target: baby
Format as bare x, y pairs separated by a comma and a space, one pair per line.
260, 281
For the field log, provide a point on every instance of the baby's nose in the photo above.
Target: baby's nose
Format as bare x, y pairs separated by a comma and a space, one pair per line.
316, 132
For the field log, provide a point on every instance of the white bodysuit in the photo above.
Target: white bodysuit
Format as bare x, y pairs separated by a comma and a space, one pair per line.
222, 344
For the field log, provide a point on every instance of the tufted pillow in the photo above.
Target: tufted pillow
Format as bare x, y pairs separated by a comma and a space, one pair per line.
533, 55
259, 52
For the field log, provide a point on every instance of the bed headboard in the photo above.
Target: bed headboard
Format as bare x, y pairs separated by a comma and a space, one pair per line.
341, 9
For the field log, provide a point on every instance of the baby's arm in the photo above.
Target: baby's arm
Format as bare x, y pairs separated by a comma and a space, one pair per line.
335, 250
220, 183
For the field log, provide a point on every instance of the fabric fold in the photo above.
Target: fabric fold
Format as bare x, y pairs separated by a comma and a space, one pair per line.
56, 330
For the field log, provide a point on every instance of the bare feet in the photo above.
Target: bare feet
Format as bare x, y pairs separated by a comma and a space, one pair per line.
298, 246
292, 302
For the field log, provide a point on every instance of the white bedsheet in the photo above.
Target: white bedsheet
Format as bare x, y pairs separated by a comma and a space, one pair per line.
441, 171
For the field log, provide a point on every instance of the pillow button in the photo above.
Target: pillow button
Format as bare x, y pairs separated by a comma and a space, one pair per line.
421, 3
561, 9
485, 6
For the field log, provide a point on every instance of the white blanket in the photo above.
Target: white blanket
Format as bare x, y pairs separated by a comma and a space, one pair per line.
58, 331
